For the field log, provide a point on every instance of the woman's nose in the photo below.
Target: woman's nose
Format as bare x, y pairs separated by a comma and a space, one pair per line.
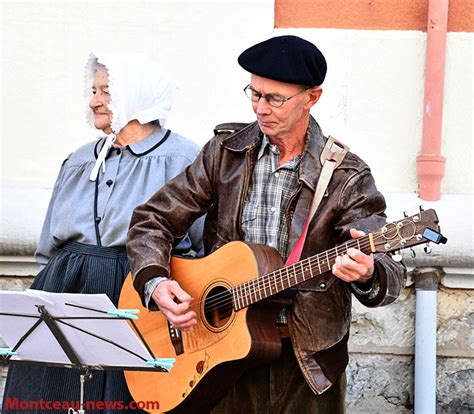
95, 101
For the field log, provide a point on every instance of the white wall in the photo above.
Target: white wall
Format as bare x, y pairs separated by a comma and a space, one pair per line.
373, 95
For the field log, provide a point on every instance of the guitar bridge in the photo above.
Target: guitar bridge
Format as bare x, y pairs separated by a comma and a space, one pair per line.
176, 339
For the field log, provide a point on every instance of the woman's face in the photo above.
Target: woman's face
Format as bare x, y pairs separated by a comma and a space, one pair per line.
100, 100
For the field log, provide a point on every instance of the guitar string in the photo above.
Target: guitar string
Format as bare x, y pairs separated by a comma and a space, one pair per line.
261, 284
264, 281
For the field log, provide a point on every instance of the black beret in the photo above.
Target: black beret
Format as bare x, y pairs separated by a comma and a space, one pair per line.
288, 59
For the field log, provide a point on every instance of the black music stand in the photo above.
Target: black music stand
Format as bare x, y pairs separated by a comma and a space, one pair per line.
84, 331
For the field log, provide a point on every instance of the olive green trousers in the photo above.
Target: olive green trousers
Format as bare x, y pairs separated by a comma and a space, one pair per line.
280, 388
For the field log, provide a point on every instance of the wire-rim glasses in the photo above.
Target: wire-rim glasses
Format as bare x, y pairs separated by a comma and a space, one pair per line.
274, 100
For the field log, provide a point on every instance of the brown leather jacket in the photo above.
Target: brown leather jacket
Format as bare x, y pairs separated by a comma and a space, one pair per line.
217, 183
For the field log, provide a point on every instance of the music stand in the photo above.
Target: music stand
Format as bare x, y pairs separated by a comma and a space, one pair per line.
84, 331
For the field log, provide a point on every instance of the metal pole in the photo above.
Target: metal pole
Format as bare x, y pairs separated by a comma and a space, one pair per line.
426, 286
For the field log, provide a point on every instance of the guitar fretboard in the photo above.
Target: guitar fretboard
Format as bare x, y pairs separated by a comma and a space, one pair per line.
272, 283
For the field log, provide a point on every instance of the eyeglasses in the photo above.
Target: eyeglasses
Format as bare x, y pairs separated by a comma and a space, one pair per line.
274, 100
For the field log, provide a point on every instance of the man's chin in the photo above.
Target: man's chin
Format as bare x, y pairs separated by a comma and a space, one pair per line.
265, 128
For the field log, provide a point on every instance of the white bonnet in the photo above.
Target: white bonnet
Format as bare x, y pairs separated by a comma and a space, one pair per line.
139, 88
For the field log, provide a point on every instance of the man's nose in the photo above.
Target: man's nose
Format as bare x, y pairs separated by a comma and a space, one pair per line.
262, 106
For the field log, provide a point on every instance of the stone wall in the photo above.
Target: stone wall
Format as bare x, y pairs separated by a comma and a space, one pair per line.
381, 369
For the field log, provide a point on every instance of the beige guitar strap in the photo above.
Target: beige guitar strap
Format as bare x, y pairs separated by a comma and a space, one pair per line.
331, 157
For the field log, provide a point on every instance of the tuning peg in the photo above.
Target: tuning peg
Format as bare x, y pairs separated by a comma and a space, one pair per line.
427, 248
397, 257
405, 214
421, 209
413, 253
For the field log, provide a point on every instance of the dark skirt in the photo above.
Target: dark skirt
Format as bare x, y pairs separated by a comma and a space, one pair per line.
77, 268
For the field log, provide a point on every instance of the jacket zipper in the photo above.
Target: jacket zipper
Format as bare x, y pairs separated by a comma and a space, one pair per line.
243, 194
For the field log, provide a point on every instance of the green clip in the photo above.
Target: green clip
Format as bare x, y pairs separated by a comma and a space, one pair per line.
166, 363
7, 352
124, 313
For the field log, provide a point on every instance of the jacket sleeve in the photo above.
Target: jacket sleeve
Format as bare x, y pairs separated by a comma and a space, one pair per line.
362, 207
167, 216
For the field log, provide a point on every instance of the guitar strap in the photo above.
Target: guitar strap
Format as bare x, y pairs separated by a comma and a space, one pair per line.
331, 157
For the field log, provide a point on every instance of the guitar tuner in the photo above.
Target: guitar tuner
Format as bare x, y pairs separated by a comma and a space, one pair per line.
434, 236
397, 257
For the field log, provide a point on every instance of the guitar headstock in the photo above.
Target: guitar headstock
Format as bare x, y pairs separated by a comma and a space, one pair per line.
410, 231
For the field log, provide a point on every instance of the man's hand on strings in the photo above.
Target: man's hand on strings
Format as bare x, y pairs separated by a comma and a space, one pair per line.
354, 266
174, 303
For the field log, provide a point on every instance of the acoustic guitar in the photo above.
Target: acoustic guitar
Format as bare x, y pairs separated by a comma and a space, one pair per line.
232, 290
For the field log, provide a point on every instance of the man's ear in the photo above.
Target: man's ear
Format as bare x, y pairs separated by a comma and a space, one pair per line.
314, 95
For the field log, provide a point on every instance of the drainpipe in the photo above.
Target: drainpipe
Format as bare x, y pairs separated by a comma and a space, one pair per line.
426, 286
430, 163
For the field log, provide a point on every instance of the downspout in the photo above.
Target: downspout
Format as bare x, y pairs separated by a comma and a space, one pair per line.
426, 288
430, 163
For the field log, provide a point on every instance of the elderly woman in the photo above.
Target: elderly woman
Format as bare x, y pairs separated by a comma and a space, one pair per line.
82, 244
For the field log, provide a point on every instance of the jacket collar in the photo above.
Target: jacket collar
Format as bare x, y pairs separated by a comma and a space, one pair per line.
250, 136
245, 139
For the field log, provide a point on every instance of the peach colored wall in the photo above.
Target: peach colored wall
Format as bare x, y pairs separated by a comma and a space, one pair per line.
369, 14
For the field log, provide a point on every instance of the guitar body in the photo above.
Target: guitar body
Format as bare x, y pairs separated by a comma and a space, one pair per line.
216, 352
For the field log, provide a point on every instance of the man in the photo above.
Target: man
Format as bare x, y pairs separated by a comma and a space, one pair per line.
256, 184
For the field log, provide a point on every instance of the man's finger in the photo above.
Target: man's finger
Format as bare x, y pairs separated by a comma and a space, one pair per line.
356, 233
179, 293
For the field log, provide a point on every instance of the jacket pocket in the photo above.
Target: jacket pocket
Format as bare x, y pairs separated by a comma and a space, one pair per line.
319, 283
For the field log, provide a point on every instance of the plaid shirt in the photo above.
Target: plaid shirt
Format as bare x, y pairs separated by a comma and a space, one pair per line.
271, 186
264, 220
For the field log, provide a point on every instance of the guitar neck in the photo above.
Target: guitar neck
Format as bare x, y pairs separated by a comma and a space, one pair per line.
272, 283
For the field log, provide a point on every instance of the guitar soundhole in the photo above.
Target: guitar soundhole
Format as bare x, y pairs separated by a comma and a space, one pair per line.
218, 307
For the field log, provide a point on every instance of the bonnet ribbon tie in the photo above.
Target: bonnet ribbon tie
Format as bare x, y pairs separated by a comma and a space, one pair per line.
109, 141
